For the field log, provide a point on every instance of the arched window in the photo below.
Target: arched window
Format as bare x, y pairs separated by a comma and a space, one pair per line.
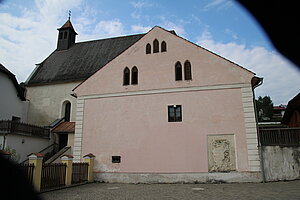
187, 70
163, 46
126, 76
134, 75
155, 46
148, 48
66, 110
65, 34
178, 71
60, 35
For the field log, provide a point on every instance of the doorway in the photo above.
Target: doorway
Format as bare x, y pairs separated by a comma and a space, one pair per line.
63, 140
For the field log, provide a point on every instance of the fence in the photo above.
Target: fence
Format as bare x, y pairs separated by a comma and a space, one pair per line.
79, 172
53, 176
23, 128
57, 175
279, 137
28, 170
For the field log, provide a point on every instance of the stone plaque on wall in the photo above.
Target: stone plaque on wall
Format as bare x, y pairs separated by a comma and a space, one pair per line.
221, 153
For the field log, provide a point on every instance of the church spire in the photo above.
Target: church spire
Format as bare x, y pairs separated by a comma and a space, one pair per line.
66, 35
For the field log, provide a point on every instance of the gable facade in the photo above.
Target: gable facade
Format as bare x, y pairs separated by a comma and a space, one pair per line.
168, 110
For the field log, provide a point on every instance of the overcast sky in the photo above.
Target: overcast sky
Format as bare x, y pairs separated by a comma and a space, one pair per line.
28, 33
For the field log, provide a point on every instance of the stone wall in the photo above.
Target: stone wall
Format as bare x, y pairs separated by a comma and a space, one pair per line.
281, 163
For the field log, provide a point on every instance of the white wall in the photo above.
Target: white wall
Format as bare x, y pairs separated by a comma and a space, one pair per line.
46, 102
10, 103
24, 145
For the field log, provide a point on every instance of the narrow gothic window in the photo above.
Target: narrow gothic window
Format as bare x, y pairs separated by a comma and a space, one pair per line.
126, 76
178, 71
163, 46
155, 46
187, 71
148, 48
134, 76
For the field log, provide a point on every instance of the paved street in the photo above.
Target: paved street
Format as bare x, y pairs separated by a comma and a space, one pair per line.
243, 191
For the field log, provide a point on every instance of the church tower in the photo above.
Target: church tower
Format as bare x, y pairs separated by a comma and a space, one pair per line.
66, 36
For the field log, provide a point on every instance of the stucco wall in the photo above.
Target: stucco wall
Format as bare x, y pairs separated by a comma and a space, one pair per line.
137, 129
281, 163
157, 70
46, 102
10, 103
24, 145
132, 121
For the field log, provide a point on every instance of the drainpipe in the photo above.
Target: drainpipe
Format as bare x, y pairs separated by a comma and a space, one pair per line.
255, 85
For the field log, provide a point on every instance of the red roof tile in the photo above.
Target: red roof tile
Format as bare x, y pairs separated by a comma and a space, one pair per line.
65, 127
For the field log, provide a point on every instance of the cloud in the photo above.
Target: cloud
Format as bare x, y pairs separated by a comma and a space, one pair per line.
109, 28
29, 38
178, 28
141, 4
218, 4
281, 78
231, 33
140, 29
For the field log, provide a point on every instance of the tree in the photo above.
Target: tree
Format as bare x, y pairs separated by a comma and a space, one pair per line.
264, 108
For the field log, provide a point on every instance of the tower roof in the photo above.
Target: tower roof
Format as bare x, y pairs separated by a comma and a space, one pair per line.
67, 25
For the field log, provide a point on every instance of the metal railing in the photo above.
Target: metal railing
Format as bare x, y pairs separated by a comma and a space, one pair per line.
79, 172
279, 137
9, 126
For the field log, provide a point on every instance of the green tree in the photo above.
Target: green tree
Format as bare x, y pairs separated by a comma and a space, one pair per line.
264, 108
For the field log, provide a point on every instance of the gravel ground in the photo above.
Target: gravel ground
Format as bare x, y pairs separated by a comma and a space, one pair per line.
245, 191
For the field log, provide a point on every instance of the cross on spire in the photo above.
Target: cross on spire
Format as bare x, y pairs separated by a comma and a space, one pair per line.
69, 14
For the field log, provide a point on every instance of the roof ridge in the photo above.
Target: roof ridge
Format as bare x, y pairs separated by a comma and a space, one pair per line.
117, 37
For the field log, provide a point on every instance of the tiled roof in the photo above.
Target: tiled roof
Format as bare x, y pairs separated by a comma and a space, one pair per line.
65, 127
81, 60
68, 24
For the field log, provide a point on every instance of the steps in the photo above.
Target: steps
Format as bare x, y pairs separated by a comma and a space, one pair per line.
55, 157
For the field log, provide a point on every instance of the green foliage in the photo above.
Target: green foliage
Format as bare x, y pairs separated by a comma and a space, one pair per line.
264, 107
14, 155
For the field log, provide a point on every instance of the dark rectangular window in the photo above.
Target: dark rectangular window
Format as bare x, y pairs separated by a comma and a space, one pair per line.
116, 159
174, 113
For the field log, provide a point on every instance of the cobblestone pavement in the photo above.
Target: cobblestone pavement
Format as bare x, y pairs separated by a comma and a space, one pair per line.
242, 191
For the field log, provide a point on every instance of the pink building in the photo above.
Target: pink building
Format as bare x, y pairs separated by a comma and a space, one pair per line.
168, 110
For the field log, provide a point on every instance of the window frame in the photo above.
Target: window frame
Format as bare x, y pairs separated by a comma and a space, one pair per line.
134, 75
65, 34
163, 46
126, 76
148, 48
174, 109
187, 70
178, 71
155, 46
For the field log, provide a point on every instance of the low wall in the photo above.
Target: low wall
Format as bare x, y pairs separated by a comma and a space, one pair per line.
281, 163
230, 177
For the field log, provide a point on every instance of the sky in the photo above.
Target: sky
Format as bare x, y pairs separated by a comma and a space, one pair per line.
28, 33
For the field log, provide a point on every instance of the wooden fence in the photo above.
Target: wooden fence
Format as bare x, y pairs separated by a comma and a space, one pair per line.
79, 172
28, 170
9, 126
279, 137
53, 176
47, 176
